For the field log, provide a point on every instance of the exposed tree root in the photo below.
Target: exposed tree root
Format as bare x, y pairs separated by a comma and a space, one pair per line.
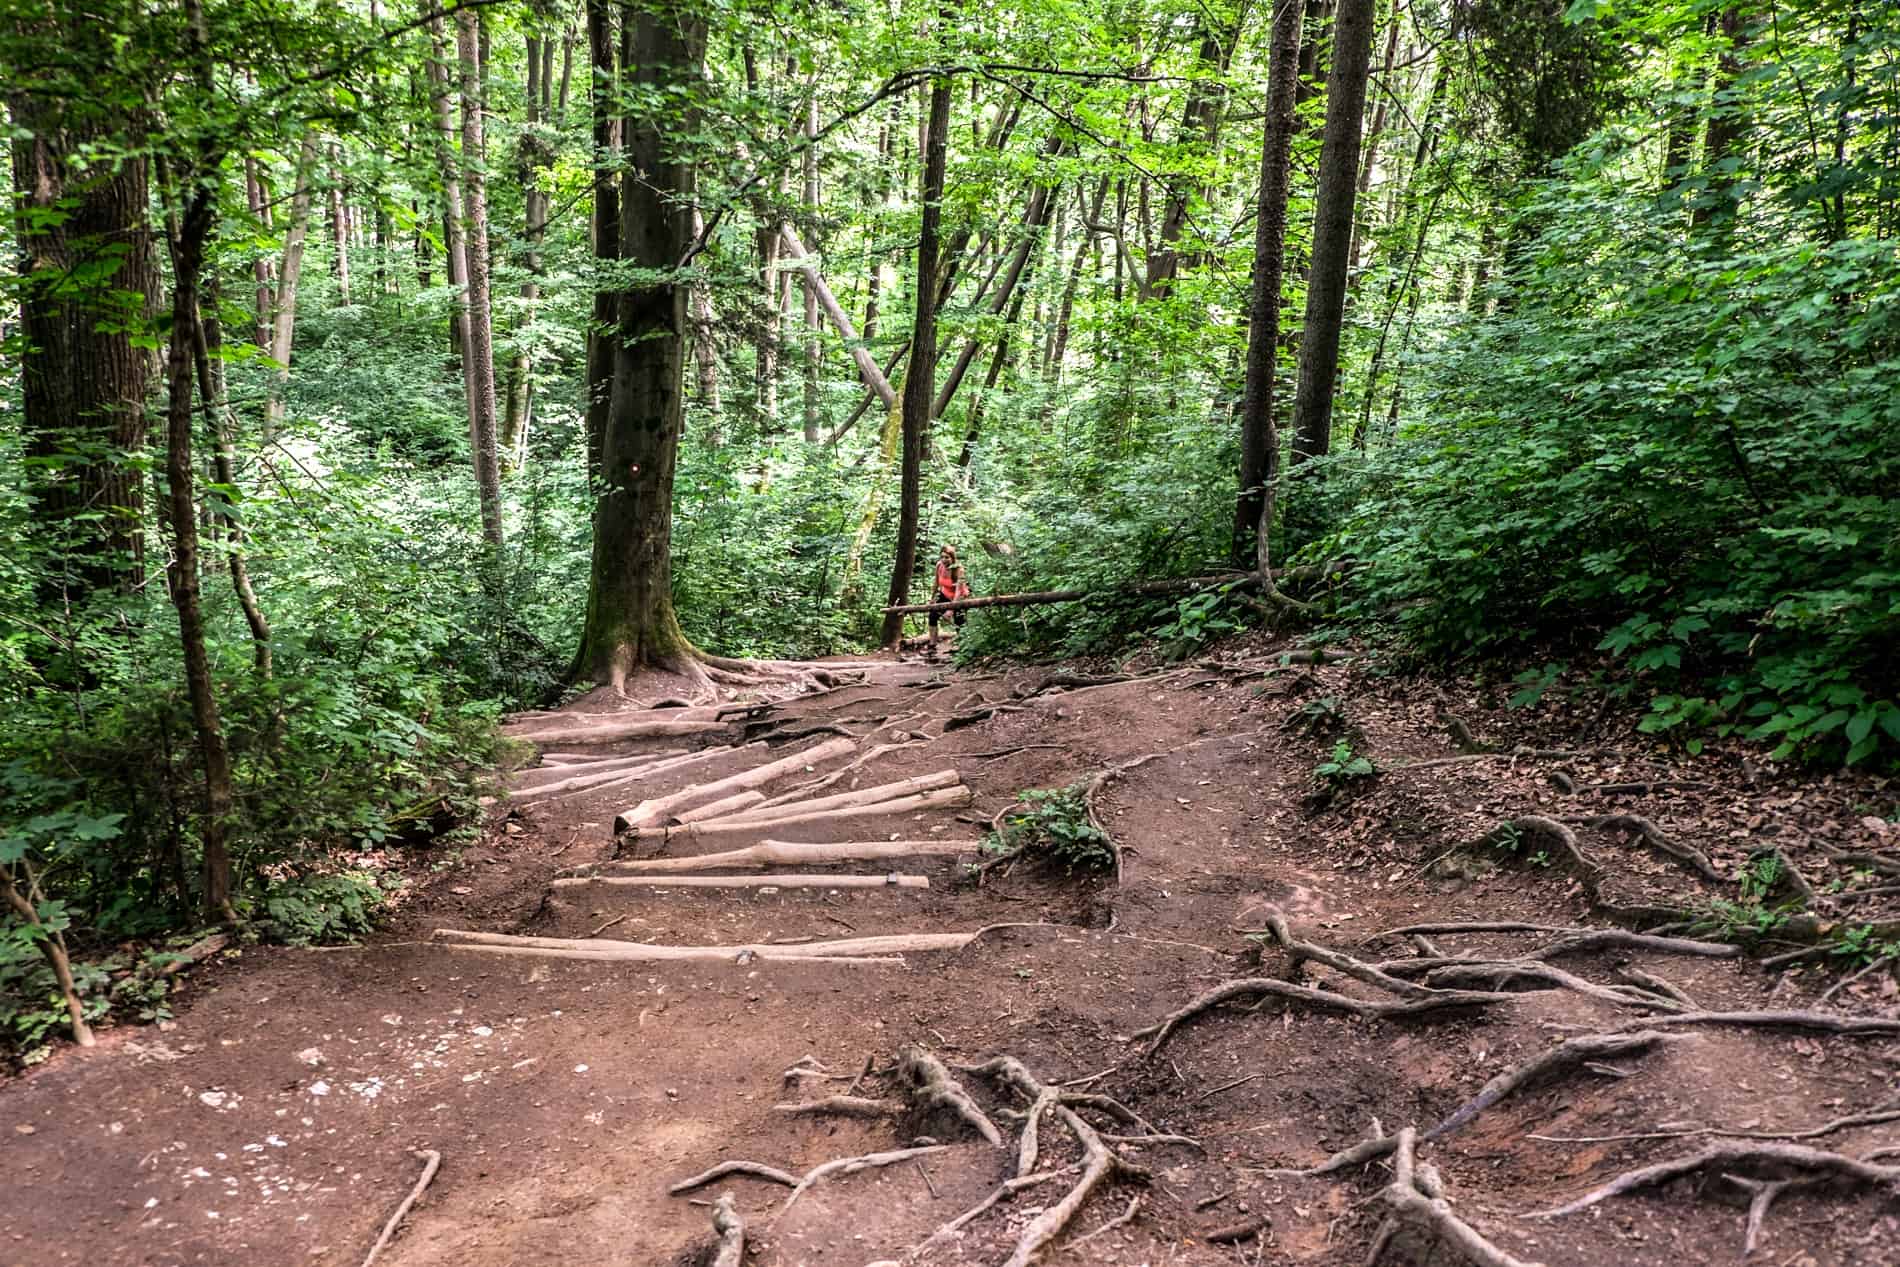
851, 1166
892, 881
793, 852
844, 1105
1825, 1022
730, 1251
1787, 1165
1503, 974
1100, 1163
1008, 1188
1657, 985
1251, 987
654, 812
958, 721
1413, 1197
1654, 837
431, 1162
1376, 1145
756, 1169
1337, 960
1560, 1059
931, 1086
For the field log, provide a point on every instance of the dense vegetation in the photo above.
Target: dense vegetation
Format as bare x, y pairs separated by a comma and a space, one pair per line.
306, 309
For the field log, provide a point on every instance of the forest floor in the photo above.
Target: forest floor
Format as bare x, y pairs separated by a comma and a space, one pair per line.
276, 1119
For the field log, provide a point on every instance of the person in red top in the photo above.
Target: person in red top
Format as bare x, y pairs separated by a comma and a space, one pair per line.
949, 587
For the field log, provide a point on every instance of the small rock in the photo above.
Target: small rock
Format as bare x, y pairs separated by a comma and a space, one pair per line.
310, 1056
26, 1129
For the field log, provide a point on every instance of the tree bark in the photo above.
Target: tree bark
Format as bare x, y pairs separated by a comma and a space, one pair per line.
604, 224
1375, 132
630, 617
919, 381
533, 156
1727, 121
284, 318
257, 196
208, 354
813, 345
1259, 442
479, 363
339, 229
1332, 229
84, 377
815, 285
705, 352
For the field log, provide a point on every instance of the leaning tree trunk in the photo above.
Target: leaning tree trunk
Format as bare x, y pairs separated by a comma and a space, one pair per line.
1259, 445
919, 381
1332, 229
83, 387
479, 363
630, 618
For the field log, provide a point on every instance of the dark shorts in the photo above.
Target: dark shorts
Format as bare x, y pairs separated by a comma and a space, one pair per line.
936, 612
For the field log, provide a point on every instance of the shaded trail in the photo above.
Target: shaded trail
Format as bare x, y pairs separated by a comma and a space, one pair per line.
566, 1095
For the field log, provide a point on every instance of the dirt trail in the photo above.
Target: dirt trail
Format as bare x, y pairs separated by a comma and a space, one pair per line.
275, 1120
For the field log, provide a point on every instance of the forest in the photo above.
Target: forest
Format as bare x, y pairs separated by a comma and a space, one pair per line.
391, 399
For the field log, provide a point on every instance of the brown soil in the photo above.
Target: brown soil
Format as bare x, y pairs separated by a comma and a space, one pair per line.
273, 1121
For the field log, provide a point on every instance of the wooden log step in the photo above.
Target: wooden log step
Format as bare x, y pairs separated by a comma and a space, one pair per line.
776, 880
793, 852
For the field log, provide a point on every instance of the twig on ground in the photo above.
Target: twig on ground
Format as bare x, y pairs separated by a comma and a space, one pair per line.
598, 929
1126, 1217
431, 1162
1225, 1086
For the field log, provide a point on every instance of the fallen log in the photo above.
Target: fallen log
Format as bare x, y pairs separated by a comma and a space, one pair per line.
846, 948
892, 881
946, 798
791, 852
598, 779
843, 800
737, 802
539, 777
1136, 589
607, 732
651, 813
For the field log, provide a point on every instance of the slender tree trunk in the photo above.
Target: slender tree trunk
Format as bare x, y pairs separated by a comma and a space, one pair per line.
1066, 311
1200, 127
705, 352
207, 352
630, 617
867, 366
339, 228
1727, 124
604, 224
1375, 132
532, 157
479, 364
1259, 443
284, 319
1332, 229
257, 197
919, 381
998, 363
813, 344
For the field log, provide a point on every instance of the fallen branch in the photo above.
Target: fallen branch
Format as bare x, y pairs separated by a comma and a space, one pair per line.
892, 881
792, 852
609, 773
932, 1087
820, 784
431, 1162
1562, 1058
539, 778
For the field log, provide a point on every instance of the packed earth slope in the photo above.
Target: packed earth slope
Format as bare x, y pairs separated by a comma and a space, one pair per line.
538, 1019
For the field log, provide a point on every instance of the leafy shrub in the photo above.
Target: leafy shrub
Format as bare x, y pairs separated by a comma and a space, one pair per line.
1054, 824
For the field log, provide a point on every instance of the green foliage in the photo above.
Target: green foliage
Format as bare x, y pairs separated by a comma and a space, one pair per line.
324, 907
1054, 824
1343, 768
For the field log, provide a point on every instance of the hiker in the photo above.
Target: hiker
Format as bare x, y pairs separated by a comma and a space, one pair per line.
949, 587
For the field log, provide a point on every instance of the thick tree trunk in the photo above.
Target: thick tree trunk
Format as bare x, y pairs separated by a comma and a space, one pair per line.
919, 381
284, 318
1332, 229
479, 363
84, 377
604, 224
630, 618
1259, 442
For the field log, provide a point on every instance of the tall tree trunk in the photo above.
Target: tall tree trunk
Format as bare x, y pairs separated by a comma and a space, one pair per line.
1259, 443
1332, 229
919, 380
998, 363
284, 319
1200, 127
705, 352
630, 618
1727, 122
1066, 311
604, 224
84, 377
533, 155
479, 363
1375, 132
257, 197
813, 344
208, 355
339, 228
